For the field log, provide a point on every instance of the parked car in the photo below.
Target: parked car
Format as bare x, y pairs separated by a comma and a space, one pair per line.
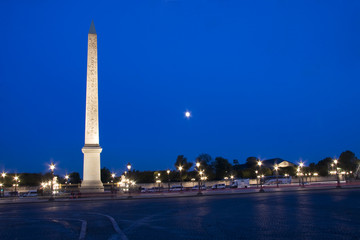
219, 186
156, 189
176, 188
196, 187
31, 193
143, 190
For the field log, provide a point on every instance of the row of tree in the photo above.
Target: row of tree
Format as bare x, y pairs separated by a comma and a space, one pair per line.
214, 169
220, 168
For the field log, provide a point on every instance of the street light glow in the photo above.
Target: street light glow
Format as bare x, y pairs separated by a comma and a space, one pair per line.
128, 166
259, 163
198, 164
180, 168
3, 174
52, 166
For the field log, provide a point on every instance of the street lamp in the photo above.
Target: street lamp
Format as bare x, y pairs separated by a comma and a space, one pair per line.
168, 173
277, 175
16, 178
180, 169
66, 181
159, 181
52, 168
113, 181
200, 173
337, 173
259, 163
301, 165
129, 168
257, 179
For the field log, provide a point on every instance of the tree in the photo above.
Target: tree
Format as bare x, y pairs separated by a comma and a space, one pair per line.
74, 178
348, 161
30, 179
105, 175
288, 170
251, 162
323, 166
182, 161
222, 168
204, 159
205, 164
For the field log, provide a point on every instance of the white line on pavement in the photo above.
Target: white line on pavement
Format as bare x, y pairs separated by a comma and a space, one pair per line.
83, 226
83, 230
115, 226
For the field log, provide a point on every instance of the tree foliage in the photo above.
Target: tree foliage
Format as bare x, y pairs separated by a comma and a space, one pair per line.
105, 175
222, 168
74, 178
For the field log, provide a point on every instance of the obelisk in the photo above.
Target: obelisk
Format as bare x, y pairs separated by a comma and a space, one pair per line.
91, 178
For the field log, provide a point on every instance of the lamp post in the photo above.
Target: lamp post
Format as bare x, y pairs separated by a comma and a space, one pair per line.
337, 173
259, 163
200, 173
257, 179
66, 181
277, 175
129, 168
180, 168
52, 168
3, 190
168, 174
159, 181
301, 165
16, 179
112, 186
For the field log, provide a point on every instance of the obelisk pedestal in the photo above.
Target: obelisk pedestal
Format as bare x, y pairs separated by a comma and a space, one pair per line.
91, 177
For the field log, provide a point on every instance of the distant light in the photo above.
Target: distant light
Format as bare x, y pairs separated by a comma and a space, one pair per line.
187, 114
52, 167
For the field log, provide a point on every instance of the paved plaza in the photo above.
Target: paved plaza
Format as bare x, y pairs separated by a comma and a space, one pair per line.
323, 214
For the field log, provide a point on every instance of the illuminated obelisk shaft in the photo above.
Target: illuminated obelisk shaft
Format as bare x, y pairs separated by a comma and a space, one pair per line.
91, 178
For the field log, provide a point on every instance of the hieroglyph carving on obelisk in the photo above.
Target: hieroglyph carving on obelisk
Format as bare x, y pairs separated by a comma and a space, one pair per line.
91, 178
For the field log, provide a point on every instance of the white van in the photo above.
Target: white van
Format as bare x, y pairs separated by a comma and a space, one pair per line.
31, 193
240, 183
219, 186
176, 188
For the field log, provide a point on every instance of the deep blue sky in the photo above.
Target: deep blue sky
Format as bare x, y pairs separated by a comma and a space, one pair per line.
261, 78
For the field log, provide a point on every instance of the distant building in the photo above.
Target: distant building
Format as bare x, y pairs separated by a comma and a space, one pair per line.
270, 163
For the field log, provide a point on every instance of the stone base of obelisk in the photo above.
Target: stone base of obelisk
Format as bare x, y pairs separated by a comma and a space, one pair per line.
91, 186
91, 182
